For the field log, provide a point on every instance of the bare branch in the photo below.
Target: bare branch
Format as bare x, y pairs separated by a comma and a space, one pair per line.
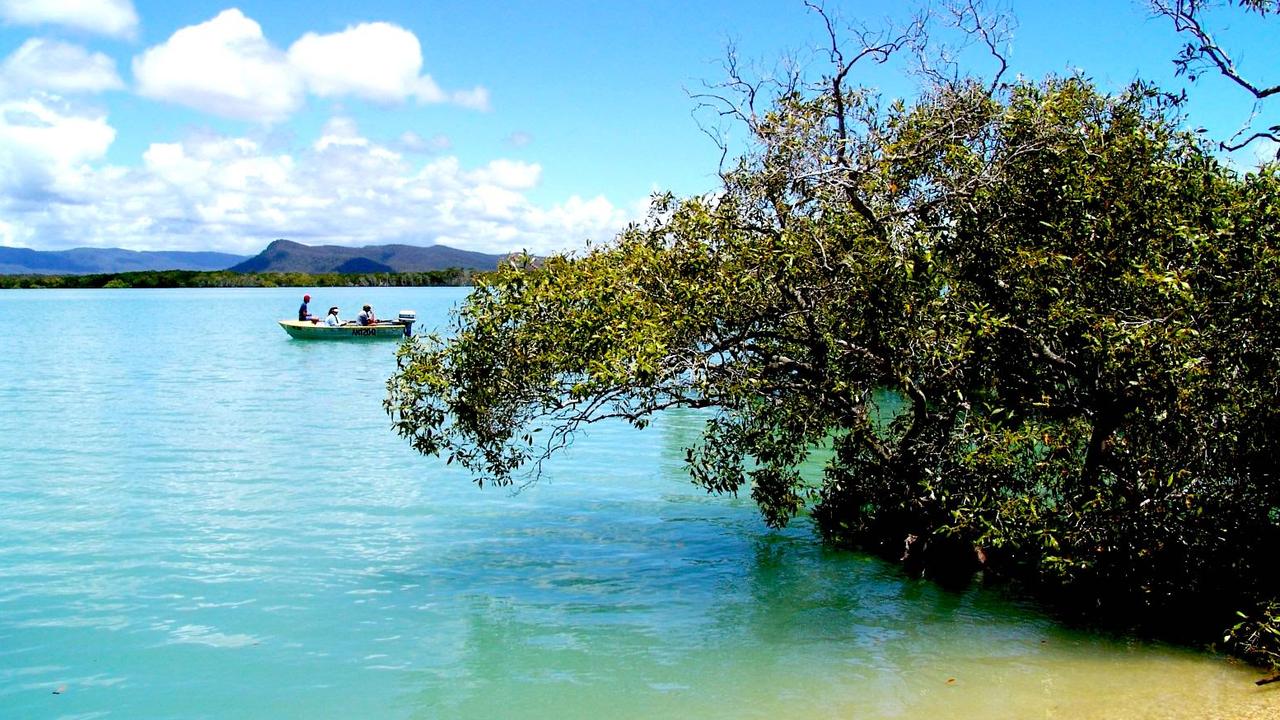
993, 31
1261, 135
1205, 50
737, 98
989, 22
1205, 53
874, 45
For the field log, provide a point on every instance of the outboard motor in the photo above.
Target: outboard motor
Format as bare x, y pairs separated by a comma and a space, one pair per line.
407, 318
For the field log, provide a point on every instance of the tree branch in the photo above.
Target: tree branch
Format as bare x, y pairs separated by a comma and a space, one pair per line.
1183, 13
1205, 52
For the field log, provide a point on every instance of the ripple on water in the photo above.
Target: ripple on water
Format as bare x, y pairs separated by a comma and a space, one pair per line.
215, 521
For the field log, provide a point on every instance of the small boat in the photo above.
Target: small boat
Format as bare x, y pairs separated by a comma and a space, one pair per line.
401, 327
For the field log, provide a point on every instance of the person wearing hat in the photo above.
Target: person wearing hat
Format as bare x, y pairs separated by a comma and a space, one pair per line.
303, 312
332, 319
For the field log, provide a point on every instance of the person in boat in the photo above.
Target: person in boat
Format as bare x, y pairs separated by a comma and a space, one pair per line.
366, 316
303, 312
332, 319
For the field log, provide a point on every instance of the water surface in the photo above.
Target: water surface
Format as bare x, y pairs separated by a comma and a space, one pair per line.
200, 517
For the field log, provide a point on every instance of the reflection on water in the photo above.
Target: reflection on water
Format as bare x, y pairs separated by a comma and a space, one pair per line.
207, 519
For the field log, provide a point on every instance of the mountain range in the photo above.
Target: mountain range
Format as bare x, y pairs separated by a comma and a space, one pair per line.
89, 261
288, 256
279, 256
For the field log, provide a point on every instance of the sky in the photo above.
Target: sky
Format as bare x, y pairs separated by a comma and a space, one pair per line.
483, 125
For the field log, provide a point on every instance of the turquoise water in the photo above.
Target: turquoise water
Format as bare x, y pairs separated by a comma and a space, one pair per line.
200, 517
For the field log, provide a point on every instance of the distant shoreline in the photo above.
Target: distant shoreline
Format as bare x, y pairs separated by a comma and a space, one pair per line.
451, 277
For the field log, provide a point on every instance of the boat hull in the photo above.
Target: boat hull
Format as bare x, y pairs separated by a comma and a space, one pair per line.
305, 330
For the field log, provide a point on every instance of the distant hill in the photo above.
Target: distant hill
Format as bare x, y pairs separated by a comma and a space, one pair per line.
288, 256
89, 261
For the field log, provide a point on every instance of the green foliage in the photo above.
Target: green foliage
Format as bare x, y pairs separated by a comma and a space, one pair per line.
226, 278
1257, 635
1074, 303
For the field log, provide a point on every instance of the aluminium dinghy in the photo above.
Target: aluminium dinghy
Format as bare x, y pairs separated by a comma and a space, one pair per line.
401, 327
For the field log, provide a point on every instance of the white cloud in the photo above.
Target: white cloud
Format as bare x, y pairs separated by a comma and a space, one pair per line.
340, 131
224, 66
52, 65
477, 98
45, 146
519, 139
115, 18
410, 141
376, 61
511, 174
227, 67
12, 236
1265, 151
233, 194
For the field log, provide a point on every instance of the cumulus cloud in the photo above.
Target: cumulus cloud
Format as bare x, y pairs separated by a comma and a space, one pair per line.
234, 194
45, 148
226, 66
510, 174
11, 236
115, 18
377, 61
51, 65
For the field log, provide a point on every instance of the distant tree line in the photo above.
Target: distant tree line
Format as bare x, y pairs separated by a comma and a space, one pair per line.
451, 277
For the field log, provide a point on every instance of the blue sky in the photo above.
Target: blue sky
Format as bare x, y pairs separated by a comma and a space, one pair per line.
483, 125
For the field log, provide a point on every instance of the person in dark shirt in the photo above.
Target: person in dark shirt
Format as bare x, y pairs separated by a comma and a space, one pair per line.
366, 316
303, 312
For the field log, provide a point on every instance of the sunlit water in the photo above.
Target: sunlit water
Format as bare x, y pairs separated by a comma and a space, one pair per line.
200, 517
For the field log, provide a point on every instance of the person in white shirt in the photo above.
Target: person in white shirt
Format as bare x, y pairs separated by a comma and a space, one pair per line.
332, 319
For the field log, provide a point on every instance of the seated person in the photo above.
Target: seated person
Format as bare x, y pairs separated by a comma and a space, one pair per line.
332, 319
303, 312
366, 316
